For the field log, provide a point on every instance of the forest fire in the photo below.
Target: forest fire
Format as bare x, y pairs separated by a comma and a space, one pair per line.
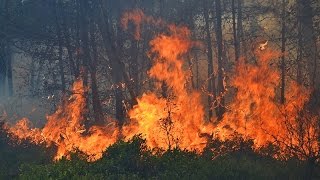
256, 114
65, 129
174, 116
177, 116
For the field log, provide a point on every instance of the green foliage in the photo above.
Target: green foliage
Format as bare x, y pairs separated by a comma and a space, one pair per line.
127, 158
133, 160
12, 155
64, 169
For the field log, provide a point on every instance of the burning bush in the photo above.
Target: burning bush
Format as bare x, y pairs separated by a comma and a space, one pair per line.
173, 117
133, 160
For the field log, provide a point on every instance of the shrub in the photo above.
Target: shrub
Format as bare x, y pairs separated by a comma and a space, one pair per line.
133, 160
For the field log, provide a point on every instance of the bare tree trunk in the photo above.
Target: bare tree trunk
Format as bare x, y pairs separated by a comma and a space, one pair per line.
308, 44
8, 55
74, 70
84, 51
135, 66
240, 30
117, 67
78, 36
97, 108
58, 31
283, 49
84, 39
220, 87
3, 70
235, 36
197, 69
211, 77
299, 52
9, 70
3, 63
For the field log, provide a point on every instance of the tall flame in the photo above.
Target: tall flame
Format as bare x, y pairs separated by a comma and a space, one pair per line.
256, 114
65, 129
173, 115
178, 119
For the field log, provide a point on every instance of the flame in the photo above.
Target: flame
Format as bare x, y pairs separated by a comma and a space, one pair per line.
138, 18
176, 120
65, 129
256, 114
173, 115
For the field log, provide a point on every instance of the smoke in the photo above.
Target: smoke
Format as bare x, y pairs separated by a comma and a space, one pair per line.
174, 116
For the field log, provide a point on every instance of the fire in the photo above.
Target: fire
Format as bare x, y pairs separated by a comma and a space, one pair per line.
173, 116
138, 18
256, 114
174, 120
65, 129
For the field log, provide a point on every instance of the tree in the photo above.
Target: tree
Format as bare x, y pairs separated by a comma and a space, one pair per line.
97, 109
117, 67
308, 40
211, 77
235, 32
283, 49
220, 87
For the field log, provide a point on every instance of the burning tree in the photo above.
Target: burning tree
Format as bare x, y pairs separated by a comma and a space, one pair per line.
176, 118
66, 131
186, 120
256, 112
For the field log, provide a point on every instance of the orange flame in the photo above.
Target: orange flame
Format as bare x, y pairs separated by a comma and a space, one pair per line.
255, 113
138, 18
175, 121
176, 118
65, 130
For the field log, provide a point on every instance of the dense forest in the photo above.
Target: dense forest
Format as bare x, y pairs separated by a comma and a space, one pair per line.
159, 89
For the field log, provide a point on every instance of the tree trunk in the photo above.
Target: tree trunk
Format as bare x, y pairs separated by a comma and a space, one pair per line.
3, 70
220, 87
60, 56
78, 37
74, 70
97, 109
308, 43
197, 70
84, 52
283, 49
84, 39
135, 66
235, 36
299, 52
116, 65
211, 78
9, 70
240, 30
3, 64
